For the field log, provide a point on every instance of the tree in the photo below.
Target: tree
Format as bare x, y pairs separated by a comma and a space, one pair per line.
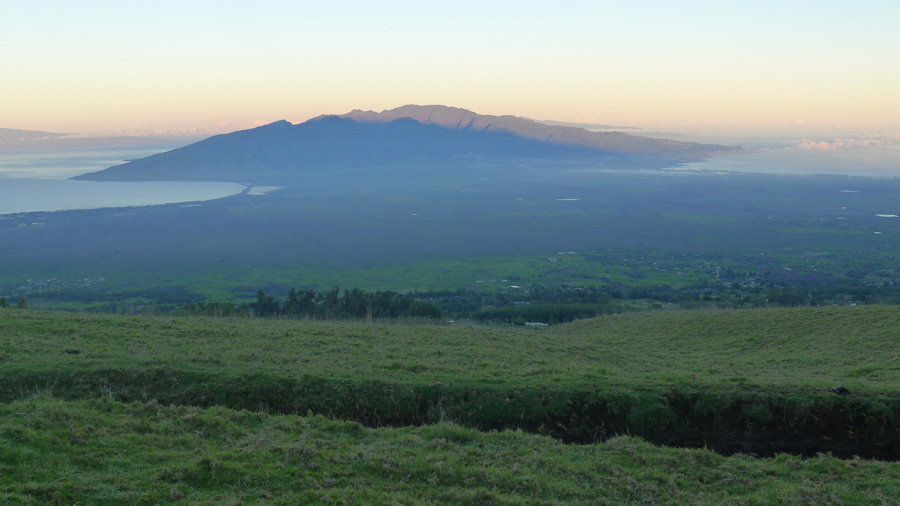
3, 302
292, 304
265, 305
330, 302
23, 304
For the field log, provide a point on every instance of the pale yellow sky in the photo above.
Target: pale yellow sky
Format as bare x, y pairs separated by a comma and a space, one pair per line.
102, 67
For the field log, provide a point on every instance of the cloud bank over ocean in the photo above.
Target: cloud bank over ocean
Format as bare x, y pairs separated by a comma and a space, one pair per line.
868, 142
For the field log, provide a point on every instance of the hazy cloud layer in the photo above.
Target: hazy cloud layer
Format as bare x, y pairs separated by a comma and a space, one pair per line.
872, 142
218, 127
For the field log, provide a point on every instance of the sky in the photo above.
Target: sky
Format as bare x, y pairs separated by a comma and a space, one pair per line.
167, 67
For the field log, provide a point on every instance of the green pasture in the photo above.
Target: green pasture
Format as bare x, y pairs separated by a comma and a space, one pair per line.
728, 379
803, 349
102, 452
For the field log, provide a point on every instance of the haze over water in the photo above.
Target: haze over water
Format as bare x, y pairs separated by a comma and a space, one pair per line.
37, 180
855, 162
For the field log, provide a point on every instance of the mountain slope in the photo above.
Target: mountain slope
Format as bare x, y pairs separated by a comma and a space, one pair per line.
405, 138
616, 142
282, 152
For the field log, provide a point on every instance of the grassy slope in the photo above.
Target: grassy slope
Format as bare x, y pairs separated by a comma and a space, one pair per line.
797, 348
778, 349
755, 381
104, 453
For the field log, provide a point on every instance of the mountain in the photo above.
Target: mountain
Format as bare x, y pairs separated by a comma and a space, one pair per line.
588, 126
404, 138
612, 142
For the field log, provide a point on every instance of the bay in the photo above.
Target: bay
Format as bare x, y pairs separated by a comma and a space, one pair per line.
20, 195
33, 180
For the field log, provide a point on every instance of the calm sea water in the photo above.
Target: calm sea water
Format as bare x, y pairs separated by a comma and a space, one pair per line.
37, 180
19, 195
850, 162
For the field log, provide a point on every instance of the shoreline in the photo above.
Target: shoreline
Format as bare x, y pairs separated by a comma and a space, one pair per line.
27, 195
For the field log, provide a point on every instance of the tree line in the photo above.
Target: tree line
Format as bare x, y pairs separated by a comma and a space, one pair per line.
543, 313
333, 304
22, 304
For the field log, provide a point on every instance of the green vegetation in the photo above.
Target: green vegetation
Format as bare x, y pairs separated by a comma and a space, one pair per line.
352, 304
546, 313
731, 380
807, 349
107, 409
102, 452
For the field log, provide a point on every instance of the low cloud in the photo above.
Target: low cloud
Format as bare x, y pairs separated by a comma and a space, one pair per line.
879, 142
138, 130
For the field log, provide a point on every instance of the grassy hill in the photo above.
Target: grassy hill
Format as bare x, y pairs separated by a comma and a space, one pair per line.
731, 380
102, 452
149, 410
788, 350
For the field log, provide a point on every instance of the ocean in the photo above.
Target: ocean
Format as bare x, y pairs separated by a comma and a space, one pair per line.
38, 180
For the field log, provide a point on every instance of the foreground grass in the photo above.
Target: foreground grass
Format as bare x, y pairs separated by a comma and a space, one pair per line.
737, 381
103, 452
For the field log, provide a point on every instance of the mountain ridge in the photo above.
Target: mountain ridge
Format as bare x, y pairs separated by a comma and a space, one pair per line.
618, 142
406, 137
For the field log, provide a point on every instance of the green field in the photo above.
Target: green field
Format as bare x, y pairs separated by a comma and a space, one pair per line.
105, 409
794, 349
102, 452
731, 380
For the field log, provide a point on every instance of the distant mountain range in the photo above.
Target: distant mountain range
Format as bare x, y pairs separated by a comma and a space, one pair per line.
589, 126
407, 136
563, 134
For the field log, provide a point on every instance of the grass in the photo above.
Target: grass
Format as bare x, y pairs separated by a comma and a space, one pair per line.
103, 452
105, 409
790, 348
731, 380
804, 349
